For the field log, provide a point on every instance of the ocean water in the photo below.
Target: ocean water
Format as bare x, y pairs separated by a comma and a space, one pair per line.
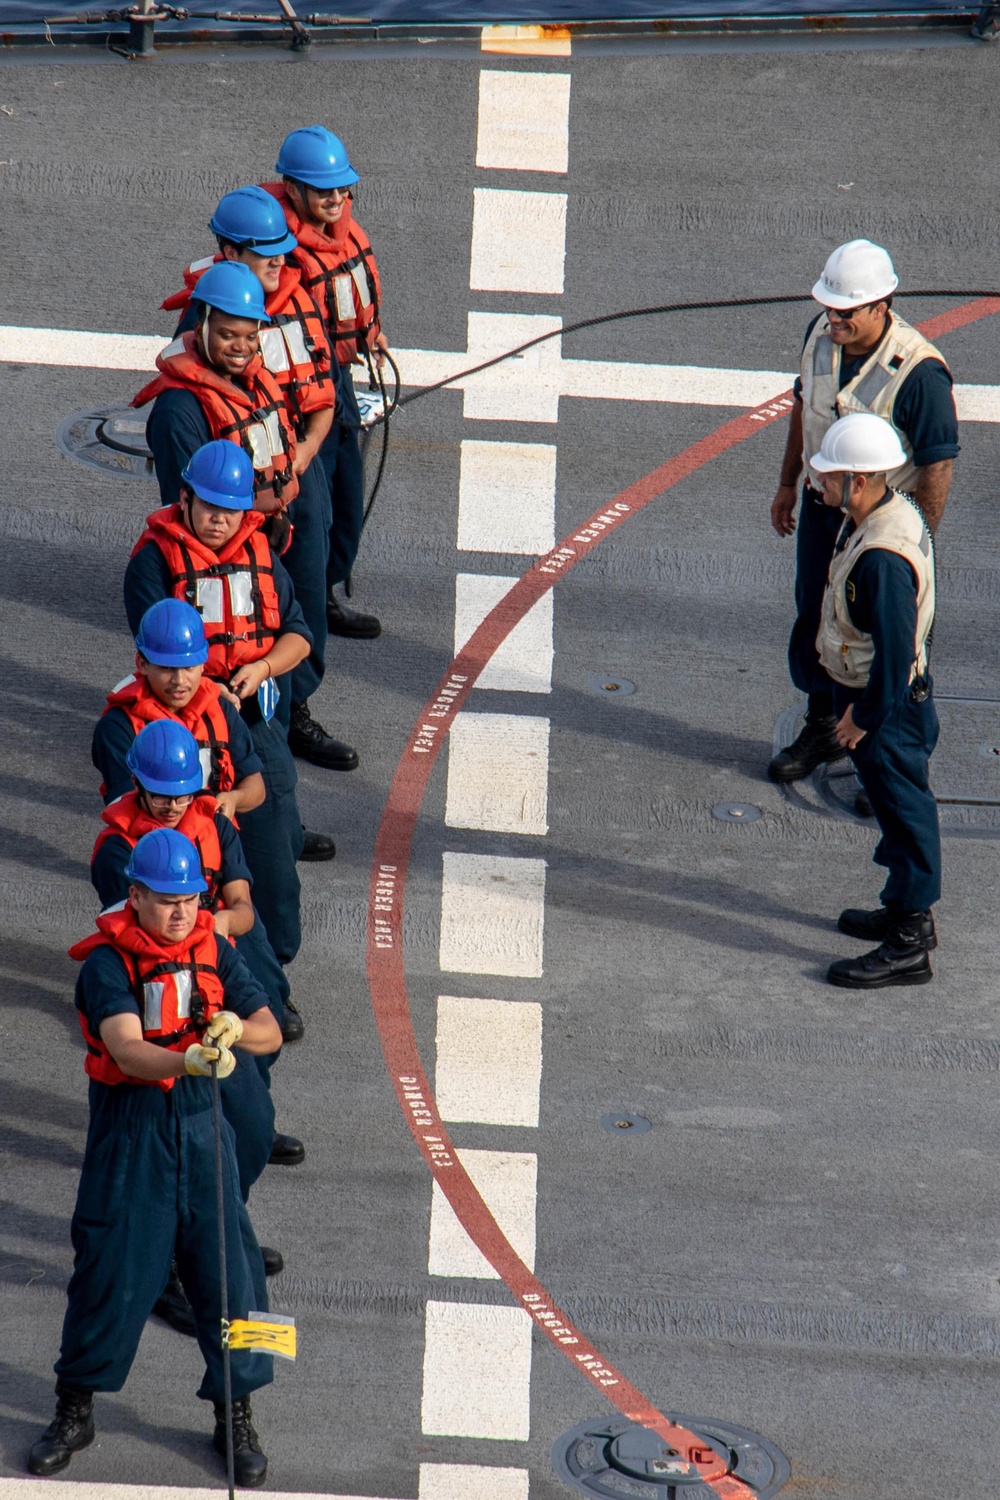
483, 12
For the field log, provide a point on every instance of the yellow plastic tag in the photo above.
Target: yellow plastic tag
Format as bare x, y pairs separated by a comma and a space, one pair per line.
264, 1331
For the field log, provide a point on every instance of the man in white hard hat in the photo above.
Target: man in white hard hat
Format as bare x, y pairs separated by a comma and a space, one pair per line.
873, 640
859, 356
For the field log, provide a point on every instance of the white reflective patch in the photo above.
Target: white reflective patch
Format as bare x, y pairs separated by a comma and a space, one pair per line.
208, 599
152, 1005
205, 756
361, 282
275, 437
209, 260
344, 294
260, 450
241, 593
125, 682
273, 350
182, 984
295, 339
177, 347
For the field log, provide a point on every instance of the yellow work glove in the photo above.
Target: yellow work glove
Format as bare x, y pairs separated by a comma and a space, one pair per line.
198, 1061
224, 1029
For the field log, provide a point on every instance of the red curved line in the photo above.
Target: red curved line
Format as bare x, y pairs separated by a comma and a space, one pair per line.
386, 973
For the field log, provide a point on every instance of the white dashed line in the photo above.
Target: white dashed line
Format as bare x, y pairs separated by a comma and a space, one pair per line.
518, 241
69, 1489
523, 121
523, 663
507, 497
477, 1371
489, 1060
498, 773
492, 915
472, 1482
507, 1181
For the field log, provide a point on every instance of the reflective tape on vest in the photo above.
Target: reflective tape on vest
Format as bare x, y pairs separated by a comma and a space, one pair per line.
274, 350
343, 292
361, 282
211, 604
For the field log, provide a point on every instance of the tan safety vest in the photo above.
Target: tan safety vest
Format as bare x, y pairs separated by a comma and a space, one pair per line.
846, 652
874, 388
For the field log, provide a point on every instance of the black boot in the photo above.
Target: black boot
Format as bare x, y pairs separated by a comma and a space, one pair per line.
316, 846
863, 804
286, 1151
292, 1027
310, 741
249, 1463
173, 1306
342, 620
874, 926
901, 958
72, 1429
274, 1261
816, 743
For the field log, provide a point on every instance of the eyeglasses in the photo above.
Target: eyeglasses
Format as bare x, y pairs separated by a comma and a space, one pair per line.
160, 800
845, 314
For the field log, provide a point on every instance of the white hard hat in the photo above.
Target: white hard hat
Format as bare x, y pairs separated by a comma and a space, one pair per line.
860, 443
854, 274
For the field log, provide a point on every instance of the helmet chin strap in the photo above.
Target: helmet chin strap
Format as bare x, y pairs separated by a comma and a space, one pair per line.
845, 493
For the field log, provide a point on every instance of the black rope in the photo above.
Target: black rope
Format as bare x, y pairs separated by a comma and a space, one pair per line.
220, 1210
645, 312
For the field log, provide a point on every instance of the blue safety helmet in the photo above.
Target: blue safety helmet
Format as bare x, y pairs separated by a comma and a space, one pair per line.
316, 156
167, 861
251, 217
221, 473
171, 634
231, 286
164, 758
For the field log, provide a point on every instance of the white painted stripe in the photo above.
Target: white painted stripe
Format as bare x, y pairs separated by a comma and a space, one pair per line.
70, 1489
507, 1182
472, 1482
518, 241
477, 1371
507, 497
526, 388
492, 915
90, 351
523, 121
489, 1060
498, 773
523, 663
523, 389
528, 41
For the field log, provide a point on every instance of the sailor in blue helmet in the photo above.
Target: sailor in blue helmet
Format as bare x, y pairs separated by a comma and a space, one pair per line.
160, 996
212, 553
250, 230
338, 266
874, 644
168, 780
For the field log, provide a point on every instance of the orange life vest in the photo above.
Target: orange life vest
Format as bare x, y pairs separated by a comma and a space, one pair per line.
293, 345
232, 589
252, 414
203, 716
128, 819
339, 269
176, 987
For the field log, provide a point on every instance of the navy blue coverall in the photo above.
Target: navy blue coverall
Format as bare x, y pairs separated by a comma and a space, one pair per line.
107, 875
344, 468
271, 834
147, 1190
177, 426
924, 411
900, 733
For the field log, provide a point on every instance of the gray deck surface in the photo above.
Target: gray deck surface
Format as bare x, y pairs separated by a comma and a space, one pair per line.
806, 1242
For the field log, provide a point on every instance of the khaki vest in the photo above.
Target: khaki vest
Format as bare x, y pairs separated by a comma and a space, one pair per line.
846, 652
874, 388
